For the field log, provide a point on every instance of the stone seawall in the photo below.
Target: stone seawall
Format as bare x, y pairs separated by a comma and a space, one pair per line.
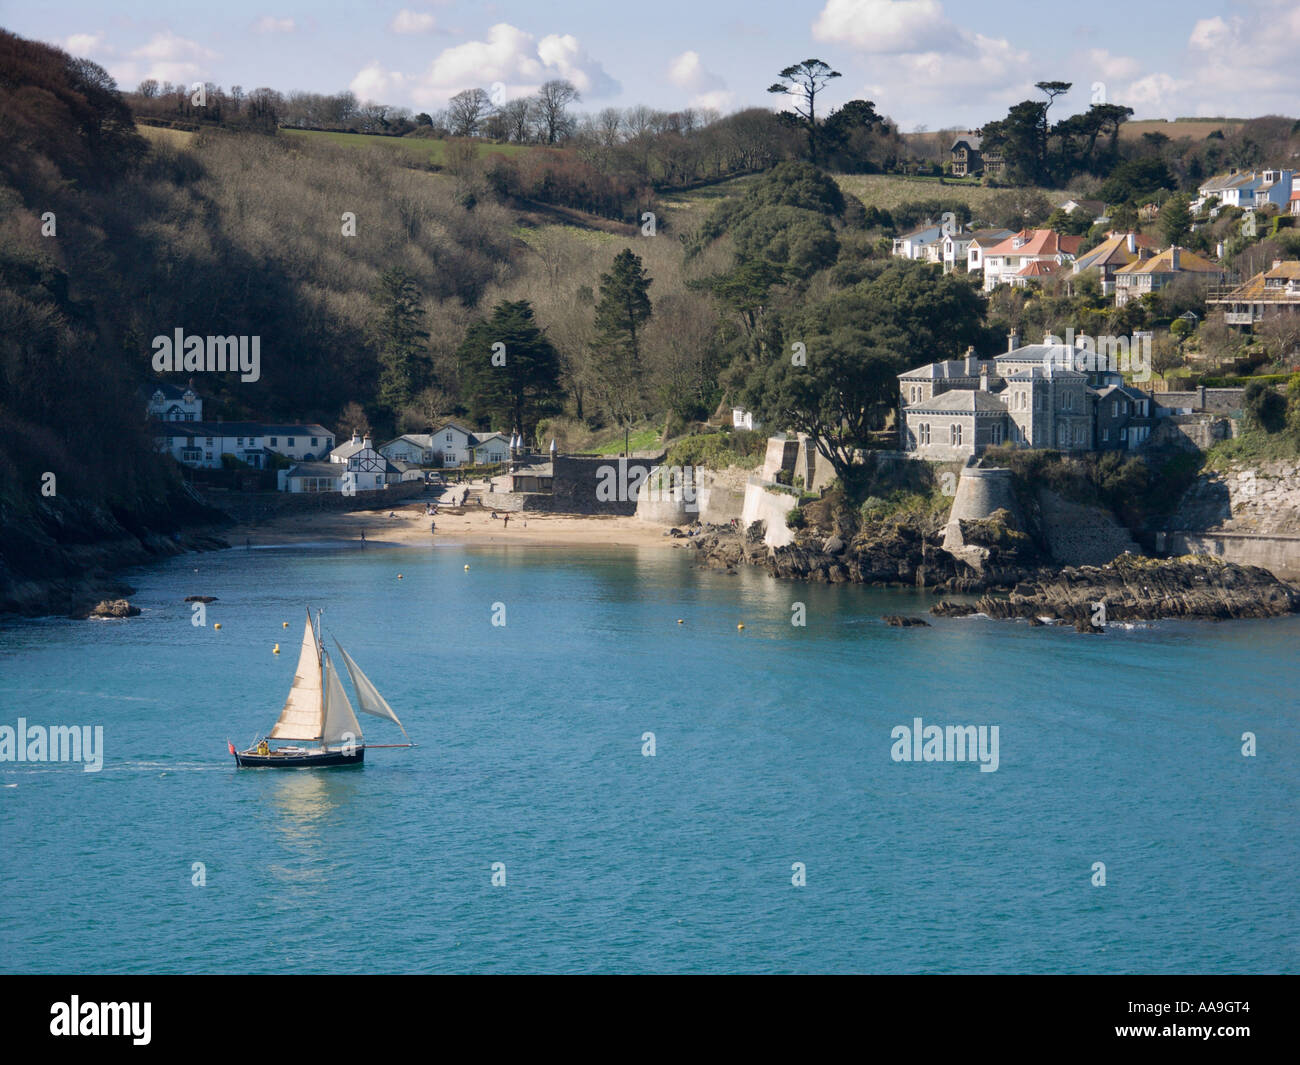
253, 507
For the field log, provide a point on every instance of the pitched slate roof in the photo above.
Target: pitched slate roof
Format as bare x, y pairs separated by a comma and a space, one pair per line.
947, 371
332, 470
959, 401
1113, 251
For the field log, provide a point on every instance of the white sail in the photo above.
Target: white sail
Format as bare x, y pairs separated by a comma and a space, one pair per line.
367, 694
340, 727
304, 710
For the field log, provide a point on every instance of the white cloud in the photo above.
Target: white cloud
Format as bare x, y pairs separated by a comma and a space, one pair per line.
688, 72
271, 24
881, 27
1105, 65
510, 57
375, 84
165, 57
408, 21
722, 100
85, 44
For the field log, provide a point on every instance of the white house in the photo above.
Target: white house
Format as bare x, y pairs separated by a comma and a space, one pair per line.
979, 244
414, 448
914, 245
490, 448
201, 444
1031, 254
743, 419
173, 404
1247, 189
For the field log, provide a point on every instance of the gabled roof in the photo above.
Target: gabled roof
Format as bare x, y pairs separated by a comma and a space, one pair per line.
1039, 268
1093, 207
959, 401
987, 238
936, 230
420, 440
1164, 264
1222, 182
169, 391
971, 140
945, 371
1113, 251
238, 429
1256, 287
1040, 354
1038, 242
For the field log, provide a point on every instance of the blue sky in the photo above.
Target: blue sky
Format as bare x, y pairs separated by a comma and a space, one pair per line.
932, 63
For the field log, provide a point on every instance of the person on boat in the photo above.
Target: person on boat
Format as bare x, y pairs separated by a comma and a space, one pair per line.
263, 748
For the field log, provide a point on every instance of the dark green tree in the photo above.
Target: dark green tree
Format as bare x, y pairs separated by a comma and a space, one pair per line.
403, 342
622, 308
1175, 220
516, 383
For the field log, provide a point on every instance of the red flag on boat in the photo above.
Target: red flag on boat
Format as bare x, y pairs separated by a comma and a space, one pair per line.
231, 746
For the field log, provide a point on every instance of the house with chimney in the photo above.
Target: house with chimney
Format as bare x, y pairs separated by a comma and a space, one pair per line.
171, 403
1047, 395
201, 445
966, 157
1247, 189
915, 245
1028, 256
1271, 293
1144, 276
1116, 251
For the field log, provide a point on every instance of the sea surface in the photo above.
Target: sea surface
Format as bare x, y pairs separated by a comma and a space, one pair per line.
772, 764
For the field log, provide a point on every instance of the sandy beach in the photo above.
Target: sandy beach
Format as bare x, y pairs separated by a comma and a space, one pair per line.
468, 525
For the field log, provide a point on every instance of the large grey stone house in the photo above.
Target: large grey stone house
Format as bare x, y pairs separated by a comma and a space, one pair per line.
1030, 396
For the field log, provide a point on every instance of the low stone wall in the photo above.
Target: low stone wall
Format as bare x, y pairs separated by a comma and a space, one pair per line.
1190, 432
1278, 554
1212, 400
252, 507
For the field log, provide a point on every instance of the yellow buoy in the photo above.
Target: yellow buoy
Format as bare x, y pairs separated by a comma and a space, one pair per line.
679, 621
399, 576
217, 625
276, 649
467, 565
740, 626
284, 624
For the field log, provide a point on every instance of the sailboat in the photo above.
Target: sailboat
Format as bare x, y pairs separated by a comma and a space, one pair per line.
318, 712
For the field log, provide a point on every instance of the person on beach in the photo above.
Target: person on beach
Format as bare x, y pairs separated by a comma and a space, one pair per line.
506, 525
363, 537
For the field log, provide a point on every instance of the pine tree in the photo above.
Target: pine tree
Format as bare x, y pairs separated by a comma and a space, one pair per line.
517, 383
405, 366
623, 308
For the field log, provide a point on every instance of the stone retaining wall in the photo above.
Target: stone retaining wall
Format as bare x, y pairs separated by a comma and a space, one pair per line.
247, 507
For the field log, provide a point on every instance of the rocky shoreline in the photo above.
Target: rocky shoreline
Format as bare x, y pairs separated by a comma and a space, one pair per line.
65, 562
1011, 581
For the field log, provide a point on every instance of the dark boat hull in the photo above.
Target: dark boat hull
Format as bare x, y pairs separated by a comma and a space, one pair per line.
306, 760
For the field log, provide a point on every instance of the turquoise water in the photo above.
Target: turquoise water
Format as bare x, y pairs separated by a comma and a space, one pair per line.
772, 747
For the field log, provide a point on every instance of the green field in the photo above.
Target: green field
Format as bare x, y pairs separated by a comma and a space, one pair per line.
889, 190
425, 149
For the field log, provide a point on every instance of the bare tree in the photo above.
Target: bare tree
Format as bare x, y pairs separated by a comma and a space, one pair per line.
552, 99
466, 111
516, 116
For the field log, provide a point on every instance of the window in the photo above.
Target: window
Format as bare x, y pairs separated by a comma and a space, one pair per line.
290, 441
1123, 434
1114, 408
996, 433
313, 441
924, 433
954, 434
449, 438
209, 441
1105, 436
275, 441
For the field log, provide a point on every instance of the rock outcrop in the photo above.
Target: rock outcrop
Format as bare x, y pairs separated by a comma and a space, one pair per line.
1133, 588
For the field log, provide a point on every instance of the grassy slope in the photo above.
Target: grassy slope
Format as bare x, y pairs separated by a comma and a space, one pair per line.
889, 190
421, 148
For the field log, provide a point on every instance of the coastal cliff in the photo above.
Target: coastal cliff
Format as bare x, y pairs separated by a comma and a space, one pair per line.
60, 557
